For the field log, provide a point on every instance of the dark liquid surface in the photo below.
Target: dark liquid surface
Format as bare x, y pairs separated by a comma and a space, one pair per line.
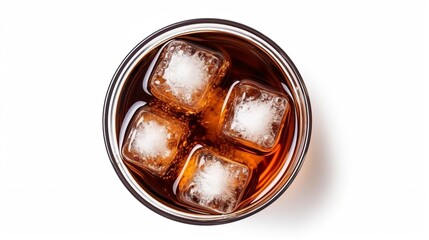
247, 62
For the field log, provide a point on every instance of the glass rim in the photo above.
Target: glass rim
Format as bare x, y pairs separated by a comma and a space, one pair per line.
188, 27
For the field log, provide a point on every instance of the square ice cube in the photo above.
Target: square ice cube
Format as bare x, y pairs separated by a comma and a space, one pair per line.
254, 115
184, 74
212, 182
152, 140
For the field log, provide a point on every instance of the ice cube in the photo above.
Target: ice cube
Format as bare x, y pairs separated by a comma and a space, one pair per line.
184, 74
254, 115
212, 182
152, 140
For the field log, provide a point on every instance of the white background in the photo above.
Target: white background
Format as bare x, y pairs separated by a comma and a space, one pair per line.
365, 64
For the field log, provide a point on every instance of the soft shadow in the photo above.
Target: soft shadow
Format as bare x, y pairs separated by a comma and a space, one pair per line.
306, 197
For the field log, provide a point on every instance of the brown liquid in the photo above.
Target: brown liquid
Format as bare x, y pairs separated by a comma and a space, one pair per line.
247, 62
